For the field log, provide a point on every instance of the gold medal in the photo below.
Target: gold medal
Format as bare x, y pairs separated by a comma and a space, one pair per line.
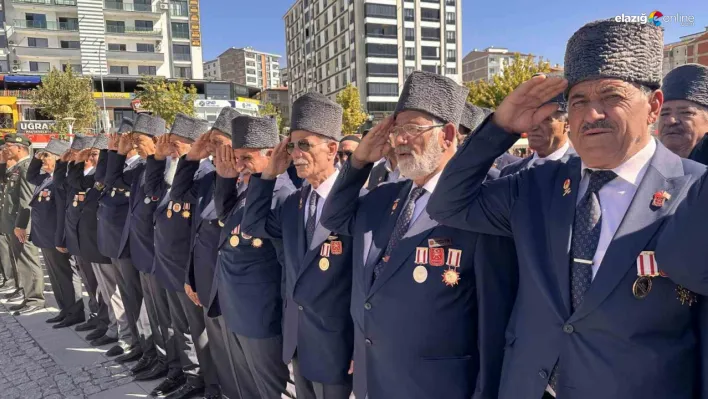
420, 274
234, 241
641, 287
75, 204
146, 200
169, 213
257, 243
186, 214
127, 193
113, 193
324, 264
451, 277
39, 199
221, 224
177, 207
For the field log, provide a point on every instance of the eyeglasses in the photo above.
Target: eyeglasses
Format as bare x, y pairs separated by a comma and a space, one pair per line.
411, 130
343, 154
42, 155
303, 145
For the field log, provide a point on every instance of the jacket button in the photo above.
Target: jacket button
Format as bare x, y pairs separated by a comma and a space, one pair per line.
568, 329
367, 306
543, 374
368, 342
300, 307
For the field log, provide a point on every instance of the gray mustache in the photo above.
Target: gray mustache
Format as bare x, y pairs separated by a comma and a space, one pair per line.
601, 124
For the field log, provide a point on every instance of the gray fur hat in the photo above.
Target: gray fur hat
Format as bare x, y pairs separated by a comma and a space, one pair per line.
188, 127
82, 142
436, 95
100, 142
629, 51
687, 82
254, 132
149, 125
223, 121
315, 113
126, 126
57, 147
473, 116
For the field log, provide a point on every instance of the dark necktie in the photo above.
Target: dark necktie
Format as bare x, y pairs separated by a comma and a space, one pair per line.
586, 235
401, 228
311, 217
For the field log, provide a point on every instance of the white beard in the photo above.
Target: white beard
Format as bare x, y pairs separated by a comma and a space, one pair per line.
421, 165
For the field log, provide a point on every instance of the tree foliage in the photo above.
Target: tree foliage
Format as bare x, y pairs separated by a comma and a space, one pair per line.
64, 94
353, 116
491, 94
269, 109
166, 99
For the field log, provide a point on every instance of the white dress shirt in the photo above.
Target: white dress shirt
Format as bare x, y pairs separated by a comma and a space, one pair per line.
394, 175
130, 161
616, 197
555, 155
89, 170
423, 199
323, 191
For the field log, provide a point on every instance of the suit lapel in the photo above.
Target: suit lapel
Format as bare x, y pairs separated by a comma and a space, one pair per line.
301, 233
640, 223
137, 191
382, 236
422, 226
562, 215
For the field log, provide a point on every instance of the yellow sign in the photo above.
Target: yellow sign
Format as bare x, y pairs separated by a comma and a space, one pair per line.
248, 100
196, 34
127, 96
8, 100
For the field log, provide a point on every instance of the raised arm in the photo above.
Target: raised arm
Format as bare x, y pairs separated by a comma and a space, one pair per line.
226, 190
76, 178
155, 184
59, 175
184, 188
34, 172
340, 209
259, 219
101, 167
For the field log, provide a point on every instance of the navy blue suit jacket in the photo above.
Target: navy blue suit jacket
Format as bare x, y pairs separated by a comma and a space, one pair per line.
113, 207
421, 340
613, 345
84, 230
44, 206
317, 321
524, 163
59, 177
247, 283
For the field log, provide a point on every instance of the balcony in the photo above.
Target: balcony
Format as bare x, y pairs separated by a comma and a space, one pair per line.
131, 30
46, 25
182, 57
130, 9
141, 56
47, 52
43, 4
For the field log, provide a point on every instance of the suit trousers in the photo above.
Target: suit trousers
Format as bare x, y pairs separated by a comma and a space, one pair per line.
131, 292
163, 331
29, 270
9, 268
306, 389
264, 365
97, 306
107, 278
65, 280
219, 348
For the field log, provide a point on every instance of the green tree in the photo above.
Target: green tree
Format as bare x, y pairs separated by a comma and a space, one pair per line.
491, 94
269, 109
166, 99
63, 94
353, 116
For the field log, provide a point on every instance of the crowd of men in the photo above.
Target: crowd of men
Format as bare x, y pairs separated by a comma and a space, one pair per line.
410, 263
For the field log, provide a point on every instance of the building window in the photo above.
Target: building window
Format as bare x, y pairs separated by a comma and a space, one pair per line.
344, 60
37, 42
183, 72
381, 107
143, 26
145, 47
430, 33
450, 17
68, 23
430, 14
430, 53
181, 52
407, 72
116, 47
251, 63
251, 80
39, 66
118, 70
452, 71
70, 44
38, 21
451, 36
381, 50
410, 34
147, 70
119, 114
74, 67
452, 55
179, 8
380, 10
410, 53
380, 30
409, 14
430, 68
388, 70
382, 89
115, 27
344, 79
180, 30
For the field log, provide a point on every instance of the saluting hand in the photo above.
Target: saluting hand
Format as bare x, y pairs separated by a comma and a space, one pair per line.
279, 161
65, 157
163, 147
113, 140
224, 162
83, 155
200, 148
524, 107
125, 144
374, 146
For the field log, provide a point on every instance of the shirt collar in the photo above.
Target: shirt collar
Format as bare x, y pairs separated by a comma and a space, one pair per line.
633, 169
430, 185
20, 160
326, 186
130, 161
555, 155
88, 171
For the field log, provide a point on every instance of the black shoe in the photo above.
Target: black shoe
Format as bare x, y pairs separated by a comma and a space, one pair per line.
19, 306
27, 309
145, 363
56, 319
186, 391
96, 334
130, 356
169, 385
104, 340
115, 351
70, 321
14, 295
158, 370
91, 324
212, 396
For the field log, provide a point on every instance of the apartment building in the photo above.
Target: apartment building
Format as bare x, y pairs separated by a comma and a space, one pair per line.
284, 77
280, 99
248, 67
374, 44
105, 37
689, 49
484, 64
212, 70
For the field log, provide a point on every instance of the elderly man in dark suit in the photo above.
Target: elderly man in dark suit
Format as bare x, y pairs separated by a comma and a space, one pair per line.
317, 327
428, 322
594, 316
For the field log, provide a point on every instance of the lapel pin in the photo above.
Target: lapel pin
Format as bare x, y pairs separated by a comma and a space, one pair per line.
300, 206
566, 187
659, 198
395, 205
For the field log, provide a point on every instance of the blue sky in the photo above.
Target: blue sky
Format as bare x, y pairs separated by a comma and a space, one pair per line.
540, 28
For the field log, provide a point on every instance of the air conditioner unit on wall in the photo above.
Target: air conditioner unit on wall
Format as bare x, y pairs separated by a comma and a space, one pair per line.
164, 6
15, 68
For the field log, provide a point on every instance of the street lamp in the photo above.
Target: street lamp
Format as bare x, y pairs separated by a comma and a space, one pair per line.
100, 72
70, 121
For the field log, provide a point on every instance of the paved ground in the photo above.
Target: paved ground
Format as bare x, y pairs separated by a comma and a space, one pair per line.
38, 362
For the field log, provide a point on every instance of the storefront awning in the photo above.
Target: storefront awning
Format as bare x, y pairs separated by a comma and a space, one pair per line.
5, 109
22, 79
